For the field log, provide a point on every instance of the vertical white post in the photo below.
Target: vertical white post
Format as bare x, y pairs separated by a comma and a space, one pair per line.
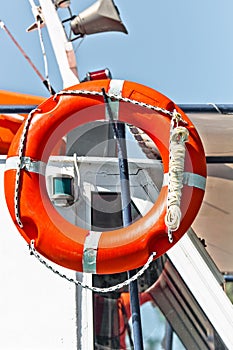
62, 48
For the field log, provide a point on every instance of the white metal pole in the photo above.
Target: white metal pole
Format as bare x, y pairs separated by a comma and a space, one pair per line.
62, 47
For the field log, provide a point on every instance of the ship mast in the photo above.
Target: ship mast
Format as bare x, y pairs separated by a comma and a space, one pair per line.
66, 60
63, 48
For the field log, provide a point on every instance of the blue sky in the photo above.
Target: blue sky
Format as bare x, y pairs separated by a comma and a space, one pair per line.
181, 48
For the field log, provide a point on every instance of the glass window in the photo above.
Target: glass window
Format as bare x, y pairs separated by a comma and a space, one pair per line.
106, 211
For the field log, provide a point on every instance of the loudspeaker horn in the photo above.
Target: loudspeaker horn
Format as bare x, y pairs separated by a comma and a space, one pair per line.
102, 16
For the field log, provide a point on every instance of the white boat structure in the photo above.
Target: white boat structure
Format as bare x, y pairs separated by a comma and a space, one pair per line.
180, 300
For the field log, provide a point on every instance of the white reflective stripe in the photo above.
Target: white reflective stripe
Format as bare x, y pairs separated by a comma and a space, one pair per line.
194, 180
115, 88
27, 164
90, 251
189, 179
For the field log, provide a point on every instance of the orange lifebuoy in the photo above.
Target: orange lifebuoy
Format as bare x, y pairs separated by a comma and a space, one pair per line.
77, 248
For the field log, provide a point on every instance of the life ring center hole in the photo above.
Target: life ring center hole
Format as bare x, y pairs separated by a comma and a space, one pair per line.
101, 181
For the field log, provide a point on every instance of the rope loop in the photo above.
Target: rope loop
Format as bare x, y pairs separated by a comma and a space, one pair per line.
116, 98
18, 170
118, 286
178, 137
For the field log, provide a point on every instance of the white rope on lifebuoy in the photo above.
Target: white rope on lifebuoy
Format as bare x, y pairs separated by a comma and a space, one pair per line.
178, 137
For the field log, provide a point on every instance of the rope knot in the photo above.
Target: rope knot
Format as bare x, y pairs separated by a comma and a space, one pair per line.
179, 134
